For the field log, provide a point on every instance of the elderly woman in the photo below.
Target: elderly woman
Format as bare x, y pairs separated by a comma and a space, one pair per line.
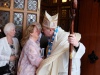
9, 48
30, 57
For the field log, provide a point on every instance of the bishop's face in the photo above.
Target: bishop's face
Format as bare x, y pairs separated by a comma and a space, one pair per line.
47, 31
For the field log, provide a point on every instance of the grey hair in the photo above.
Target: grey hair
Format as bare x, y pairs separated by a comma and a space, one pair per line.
8, 27
38, 25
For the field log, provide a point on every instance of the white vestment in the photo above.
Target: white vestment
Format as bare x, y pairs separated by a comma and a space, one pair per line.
57, 62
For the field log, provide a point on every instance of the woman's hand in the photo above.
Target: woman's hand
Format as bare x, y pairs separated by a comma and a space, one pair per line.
13, 58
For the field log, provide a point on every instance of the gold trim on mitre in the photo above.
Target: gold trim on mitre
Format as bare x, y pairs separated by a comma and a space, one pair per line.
50, 21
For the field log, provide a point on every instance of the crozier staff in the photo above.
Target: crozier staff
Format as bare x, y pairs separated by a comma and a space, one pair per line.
72, 10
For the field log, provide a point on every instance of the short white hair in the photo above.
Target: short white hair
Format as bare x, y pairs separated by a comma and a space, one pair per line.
38, 25
8, 27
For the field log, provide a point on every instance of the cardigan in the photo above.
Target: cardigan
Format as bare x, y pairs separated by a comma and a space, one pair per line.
5, 50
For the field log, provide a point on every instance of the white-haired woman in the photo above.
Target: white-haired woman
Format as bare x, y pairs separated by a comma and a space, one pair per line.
9, 48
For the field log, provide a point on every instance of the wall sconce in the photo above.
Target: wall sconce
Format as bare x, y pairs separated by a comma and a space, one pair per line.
6, 4
64, 1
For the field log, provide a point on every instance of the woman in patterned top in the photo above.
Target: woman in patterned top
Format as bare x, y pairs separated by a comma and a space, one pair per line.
9, 48
30, 56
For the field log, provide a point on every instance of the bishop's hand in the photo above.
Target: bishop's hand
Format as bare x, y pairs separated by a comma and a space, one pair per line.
73, 40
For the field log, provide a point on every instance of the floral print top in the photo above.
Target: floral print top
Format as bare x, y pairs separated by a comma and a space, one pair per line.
29, 59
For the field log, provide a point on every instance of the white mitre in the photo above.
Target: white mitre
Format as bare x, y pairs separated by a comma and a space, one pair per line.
50, 21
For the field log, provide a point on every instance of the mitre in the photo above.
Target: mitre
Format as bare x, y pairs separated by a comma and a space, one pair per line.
50, 21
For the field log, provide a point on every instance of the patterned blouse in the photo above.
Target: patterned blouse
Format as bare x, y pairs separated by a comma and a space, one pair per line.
12, 64
30, 59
